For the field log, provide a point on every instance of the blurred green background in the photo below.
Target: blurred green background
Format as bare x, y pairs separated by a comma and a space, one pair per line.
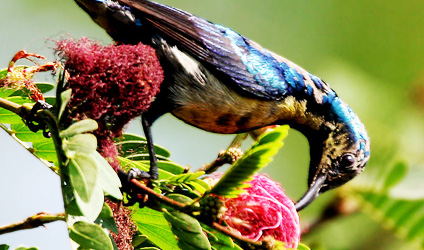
370, 52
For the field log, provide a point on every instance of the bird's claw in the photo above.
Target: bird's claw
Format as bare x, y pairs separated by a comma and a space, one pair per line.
138, 174
34, 123
133, 196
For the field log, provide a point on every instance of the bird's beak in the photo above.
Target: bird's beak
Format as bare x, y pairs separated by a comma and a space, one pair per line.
312, 192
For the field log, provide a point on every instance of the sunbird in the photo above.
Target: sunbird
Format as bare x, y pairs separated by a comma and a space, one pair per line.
222, 82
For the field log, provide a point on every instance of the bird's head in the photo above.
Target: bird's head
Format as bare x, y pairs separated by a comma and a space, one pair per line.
338, 157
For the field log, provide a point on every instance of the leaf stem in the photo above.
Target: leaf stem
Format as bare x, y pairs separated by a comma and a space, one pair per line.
32, 222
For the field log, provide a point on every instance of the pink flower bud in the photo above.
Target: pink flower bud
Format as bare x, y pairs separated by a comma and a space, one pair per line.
264, 211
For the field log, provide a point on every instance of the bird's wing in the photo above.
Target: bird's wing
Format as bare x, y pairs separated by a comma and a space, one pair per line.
233, 57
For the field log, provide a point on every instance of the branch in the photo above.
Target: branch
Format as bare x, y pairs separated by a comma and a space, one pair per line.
32, 222
14, 107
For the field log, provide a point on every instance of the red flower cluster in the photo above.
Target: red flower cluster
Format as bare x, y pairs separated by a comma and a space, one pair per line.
110, 84
264, 211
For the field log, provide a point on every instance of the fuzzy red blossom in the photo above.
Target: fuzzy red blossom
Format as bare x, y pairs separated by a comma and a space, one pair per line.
263, 211
126, 227
110, 84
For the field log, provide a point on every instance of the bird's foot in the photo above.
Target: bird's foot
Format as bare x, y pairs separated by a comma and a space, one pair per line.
132, 195
33, 122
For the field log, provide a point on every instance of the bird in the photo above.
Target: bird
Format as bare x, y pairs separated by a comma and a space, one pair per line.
222, 82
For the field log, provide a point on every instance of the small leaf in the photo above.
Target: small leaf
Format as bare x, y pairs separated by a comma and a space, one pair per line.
46, 150
42, 86
5, 92
152, 224
90, 236
83, 173
188, 240
79, 127
23, 133
182, 221
144, 157
219, 240
171, 167
106, 219
83, 143
108, 178
3, 74
180, 198
302, 247
9, 117
4, 246
91, 209
26, 248
65, 97
139, 239
127, 164
396, 174
182, 178
45, 87
50, 100
134, 144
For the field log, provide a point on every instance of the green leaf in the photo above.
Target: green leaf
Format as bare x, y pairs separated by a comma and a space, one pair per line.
108, 178
130, 144
9, 117
127, 164
183, 178
258, 156
26, 248
5, 92
180, 198
396, 174
90, 236
399, 205
302, 247
4, 246
171, 167
182, 221
65, 97
42, 86
187, 240
219, 240
106, 219
83, 174
83, 143
152, 224
3, 74
138, 240
45, 87
187, 229
23, 133
46, 150
79, 127
50, 100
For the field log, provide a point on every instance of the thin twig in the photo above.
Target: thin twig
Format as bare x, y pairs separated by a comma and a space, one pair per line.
32, 222
225, 157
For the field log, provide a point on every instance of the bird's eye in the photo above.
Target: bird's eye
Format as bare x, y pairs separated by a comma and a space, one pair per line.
347, 161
